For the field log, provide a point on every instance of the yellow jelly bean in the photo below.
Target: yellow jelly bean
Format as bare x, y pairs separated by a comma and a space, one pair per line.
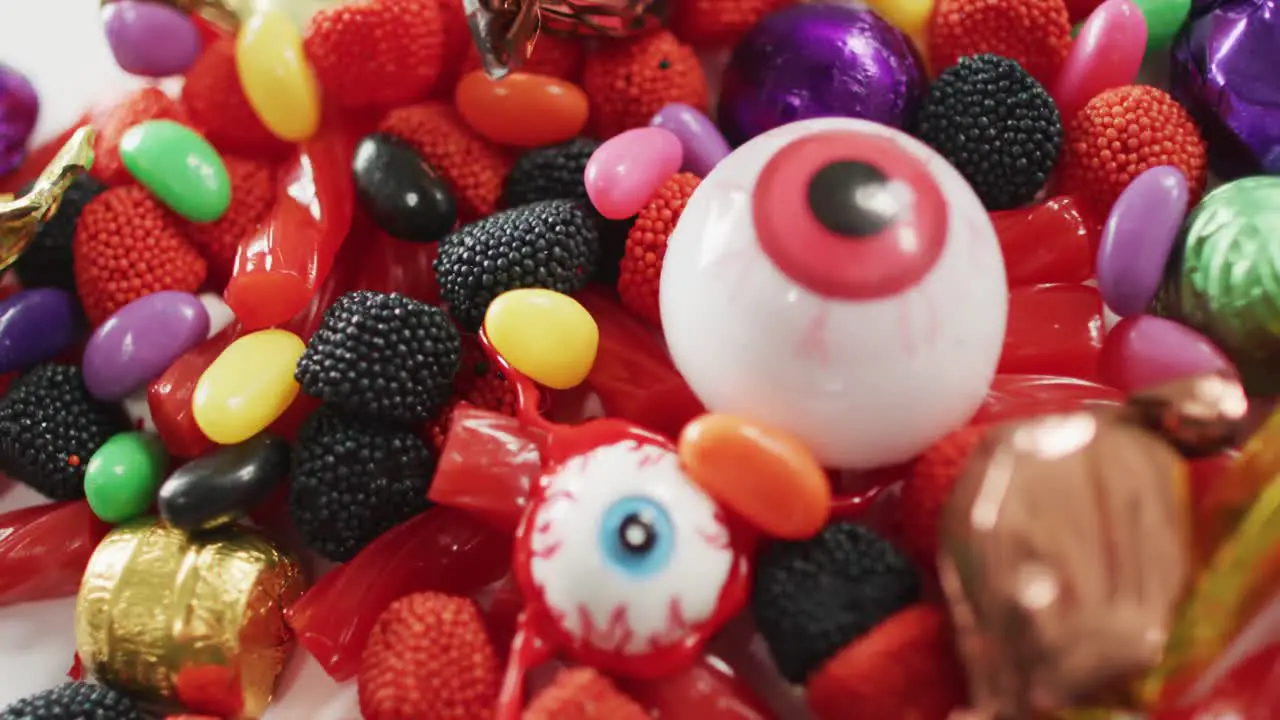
300, 11
276, 76
547, 336
909, 16
248, 386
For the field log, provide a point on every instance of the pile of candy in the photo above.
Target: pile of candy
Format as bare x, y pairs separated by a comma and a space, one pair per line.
576, 393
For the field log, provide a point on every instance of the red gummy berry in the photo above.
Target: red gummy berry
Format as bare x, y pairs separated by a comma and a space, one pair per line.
1036, 33
458, 46
215, 100
647, 244
429, 658
377, 53
629, 81
149, 103
718, 23
906, 667
552, 55
583, 694
126, 246
472, 167
927, 489
1124, 132
252, 197
491, 391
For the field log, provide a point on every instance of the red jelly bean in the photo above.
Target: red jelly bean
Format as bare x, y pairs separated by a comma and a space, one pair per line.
1054, 330
45, 549
1143, 351
443, 550
633, 375
1052, 242
1020, 396
281, 266
169, 396
706, 690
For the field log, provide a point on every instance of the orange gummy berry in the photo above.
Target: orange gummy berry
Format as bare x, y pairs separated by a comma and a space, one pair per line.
641, 265
215, 100
1035, 33
1124, 132
377, 53
472, 167
629, 81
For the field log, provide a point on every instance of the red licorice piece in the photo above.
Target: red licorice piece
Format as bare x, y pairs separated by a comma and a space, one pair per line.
707, 690
45, 549
169, 396
1246, 692
1020, 396
487, 467
443, 550
1054, 330
1052, 242
281, 267
389, 265
633, 375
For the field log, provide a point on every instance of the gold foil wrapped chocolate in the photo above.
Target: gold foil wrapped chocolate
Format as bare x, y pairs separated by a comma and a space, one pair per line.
20, 218
194, 620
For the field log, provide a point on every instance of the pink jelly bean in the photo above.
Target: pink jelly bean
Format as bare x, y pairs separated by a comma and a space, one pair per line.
1106, 54
624, 173
1145, 350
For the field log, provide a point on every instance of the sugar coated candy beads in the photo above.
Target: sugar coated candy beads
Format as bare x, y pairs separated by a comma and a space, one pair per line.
276, 76
761, 288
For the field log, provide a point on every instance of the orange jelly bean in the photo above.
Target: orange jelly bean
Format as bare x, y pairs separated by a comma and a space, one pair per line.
522, 109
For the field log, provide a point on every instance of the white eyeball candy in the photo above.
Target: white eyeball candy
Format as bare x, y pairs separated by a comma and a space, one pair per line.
839, 280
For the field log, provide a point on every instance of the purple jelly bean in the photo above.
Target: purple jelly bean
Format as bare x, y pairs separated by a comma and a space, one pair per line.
19, 107
703, 144
141, 341
150, 39
35, 326
1138, 238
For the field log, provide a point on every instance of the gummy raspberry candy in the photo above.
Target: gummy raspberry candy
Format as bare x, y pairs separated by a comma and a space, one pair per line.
927, 489
550, 173
149, 103
47, 261
583, 694
629, 81
74, 701
1035, 33
641, 265
214, 99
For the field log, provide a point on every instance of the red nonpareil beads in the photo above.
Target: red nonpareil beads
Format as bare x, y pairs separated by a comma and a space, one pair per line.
1035, 33
429, 658
641, 265
1124, 132
583, 694
628, 81
127, 246
378, 53
214, 99
149, 103
252, 196
926, 491
718, 23
473, 168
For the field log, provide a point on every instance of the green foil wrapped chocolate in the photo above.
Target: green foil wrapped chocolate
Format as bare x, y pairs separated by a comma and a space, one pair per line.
1224, 278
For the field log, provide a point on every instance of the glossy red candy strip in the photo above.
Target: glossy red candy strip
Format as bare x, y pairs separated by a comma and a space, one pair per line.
45, 549
488, 466
1052, 242
706, 690
633, 375
1054, 330
281, 267
442, 549
395, 266
1019, 396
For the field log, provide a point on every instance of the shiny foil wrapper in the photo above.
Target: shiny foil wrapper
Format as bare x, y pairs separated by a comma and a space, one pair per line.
182, 620
1065, 551
1224, 72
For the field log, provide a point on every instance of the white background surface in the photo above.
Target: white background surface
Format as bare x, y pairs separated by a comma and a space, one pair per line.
59, 45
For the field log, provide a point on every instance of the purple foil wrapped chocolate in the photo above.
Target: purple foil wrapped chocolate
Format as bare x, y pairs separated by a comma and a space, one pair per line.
1224, 73
815, 60
19, 107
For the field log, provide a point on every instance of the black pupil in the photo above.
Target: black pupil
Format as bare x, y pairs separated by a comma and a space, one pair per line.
637, 534
852, 199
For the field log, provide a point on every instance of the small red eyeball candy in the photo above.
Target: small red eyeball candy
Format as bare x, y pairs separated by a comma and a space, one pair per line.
629, 81
126, 246
473, 168
379, 53
149, 103
1121, 134
1035, 33
583, 694
214, 99
641, 265
429, 658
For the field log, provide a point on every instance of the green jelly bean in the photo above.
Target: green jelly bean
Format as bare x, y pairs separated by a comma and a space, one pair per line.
122, 477
1164, 19
179, 167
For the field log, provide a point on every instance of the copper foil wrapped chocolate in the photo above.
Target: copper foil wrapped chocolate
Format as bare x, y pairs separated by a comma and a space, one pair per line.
1065, 550
819, 60
1224, 73
178, 619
